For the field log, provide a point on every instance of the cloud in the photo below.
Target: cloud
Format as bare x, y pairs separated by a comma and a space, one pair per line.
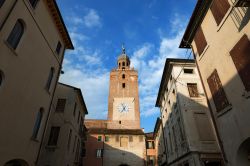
92, 19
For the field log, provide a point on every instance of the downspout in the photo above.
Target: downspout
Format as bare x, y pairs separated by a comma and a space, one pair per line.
211, 112
50, 108
6, 18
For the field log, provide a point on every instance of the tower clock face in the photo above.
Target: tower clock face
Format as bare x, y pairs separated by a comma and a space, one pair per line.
123, 107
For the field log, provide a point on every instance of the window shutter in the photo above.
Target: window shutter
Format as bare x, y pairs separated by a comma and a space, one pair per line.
218, 94
219, 8
200, 41
60, 105
241, 58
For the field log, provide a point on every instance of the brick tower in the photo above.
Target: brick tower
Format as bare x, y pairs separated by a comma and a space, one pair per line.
123, 102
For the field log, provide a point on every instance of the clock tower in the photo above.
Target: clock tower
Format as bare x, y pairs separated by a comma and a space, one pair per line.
123, 101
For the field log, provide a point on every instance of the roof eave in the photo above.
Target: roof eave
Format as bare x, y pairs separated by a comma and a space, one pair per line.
197, 17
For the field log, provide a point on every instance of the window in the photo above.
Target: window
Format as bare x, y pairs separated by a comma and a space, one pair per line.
120, 122
1, 2
200, 42
219, 8
123, 85
193, 90
130, 138
150, 145
123, 63
58, 48
37, 123
241, 59
124, 142
173, 91
99, 138
50, 78
54, 133
16, 34
106, 138
119, 65
69, 139
1, 78
140, 138
74, 144
217, 91
123, 76
99, 153
33, 2
60, 106
78, 116
74, 112
188, 71
117, 139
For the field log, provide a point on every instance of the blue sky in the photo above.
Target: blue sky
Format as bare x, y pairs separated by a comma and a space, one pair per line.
151, 31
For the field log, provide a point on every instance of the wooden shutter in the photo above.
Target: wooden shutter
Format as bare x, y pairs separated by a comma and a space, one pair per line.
124, 142
219, 8
200, 41
241, 58
192, 89
218, 94
60, 105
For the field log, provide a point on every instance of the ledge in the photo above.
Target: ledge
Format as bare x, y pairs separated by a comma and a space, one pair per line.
225, 110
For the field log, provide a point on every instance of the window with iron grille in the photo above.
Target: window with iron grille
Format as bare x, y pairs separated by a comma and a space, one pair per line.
193, 90
219, 8
217, 91
60, 106
241, 58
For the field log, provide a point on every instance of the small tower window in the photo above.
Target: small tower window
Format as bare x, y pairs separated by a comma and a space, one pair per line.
123, 85
119, 65
123, 63
123, 76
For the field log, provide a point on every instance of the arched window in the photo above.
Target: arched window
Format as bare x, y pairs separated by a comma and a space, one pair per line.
37, 123
50, 78
123, 75
1, 2
123, 63
119, 65
33, 3
16, 34
1, 78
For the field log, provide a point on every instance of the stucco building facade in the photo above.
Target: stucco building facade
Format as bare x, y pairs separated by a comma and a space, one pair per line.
33, 39
64, 138
187, 127
219, 35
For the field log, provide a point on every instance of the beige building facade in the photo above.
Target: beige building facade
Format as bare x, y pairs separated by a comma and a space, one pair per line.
119, 140
63, 143
219, 35
33, 39
187, 127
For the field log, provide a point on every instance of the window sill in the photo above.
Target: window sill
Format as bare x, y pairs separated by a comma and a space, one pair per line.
225, 110
34, 139
11, 48
204, 51
246, 94
224, 19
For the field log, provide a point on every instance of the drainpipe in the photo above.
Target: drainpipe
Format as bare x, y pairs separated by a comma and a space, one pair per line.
50, 108
6, 18
211, 113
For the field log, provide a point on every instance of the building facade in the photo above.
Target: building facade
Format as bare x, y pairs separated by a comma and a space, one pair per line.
119, 140
63, 143
33, 39
219, 35
151, 154
188, 132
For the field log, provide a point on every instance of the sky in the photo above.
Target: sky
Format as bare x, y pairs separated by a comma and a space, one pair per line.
151, 31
